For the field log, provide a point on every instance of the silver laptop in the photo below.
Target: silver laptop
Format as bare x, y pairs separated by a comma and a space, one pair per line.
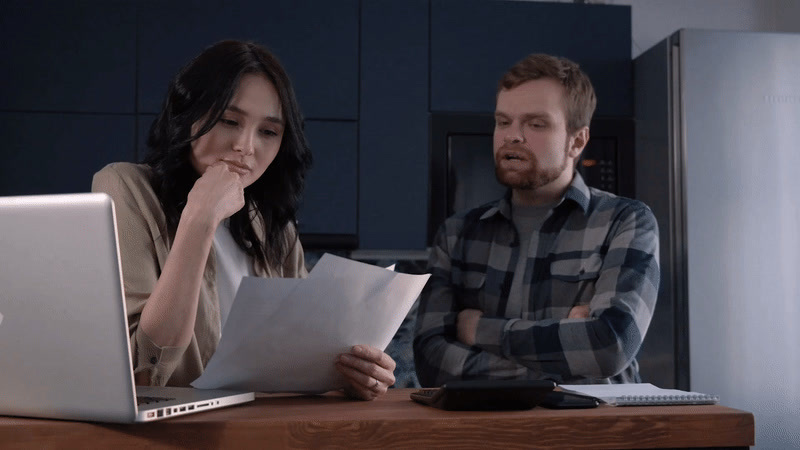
64, 349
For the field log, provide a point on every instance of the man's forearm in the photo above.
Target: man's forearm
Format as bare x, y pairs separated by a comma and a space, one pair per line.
439, 359
561, 348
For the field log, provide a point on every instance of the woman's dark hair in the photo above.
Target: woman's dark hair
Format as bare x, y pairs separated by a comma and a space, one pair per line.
200, 92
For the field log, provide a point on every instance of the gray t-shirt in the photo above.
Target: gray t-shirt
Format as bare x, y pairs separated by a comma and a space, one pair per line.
527, 219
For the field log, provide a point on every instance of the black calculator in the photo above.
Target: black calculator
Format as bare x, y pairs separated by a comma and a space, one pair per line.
485, 395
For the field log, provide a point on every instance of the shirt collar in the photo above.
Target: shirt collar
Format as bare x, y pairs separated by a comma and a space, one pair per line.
502, 207
577, 192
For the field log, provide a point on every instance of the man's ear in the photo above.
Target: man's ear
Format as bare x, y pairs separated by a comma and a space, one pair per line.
578, 142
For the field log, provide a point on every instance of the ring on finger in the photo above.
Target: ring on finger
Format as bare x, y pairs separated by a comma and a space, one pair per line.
374, 386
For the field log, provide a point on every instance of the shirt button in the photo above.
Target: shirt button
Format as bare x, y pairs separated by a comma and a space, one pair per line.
153, 360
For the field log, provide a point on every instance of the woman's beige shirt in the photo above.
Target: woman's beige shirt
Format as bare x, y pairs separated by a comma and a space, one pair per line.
144, 244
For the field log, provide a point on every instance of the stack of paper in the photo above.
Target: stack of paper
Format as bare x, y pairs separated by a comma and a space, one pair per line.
283, 335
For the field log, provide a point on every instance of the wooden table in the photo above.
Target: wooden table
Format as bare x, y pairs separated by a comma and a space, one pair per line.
280, 421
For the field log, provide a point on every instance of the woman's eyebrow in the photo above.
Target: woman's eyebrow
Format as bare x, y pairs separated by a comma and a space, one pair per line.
236, 109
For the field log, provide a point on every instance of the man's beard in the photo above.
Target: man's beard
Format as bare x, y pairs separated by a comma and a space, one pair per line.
532, 178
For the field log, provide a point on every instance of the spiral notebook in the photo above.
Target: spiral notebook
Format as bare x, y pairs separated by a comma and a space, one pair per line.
640, 394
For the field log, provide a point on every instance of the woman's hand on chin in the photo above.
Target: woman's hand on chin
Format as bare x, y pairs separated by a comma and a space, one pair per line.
218, 193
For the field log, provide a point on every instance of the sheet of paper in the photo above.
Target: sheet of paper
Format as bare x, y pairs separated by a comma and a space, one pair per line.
283, 335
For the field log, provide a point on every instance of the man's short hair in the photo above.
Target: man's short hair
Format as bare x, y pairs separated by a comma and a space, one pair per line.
579, 96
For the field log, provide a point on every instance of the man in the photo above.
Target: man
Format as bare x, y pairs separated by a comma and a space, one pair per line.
554, 281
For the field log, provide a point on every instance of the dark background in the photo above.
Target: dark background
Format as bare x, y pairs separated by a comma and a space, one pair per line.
81, 81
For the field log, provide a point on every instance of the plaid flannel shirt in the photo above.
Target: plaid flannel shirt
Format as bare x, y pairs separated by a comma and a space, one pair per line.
595, 248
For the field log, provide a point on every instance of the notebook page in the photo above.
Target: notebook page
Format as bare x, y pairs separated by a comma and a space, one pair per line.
640, 394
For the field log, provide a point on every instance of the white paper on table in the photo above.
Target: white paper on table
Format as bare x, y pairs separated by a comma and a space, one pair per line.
283, 335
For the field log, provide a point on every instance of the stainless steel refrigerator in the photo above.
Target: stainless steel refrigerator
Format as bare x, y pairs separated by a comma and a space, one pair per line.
718, 160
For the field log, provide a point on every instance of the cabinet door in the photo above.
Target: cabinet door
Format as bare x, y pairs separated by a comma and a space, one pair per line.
67, 56
47, 153
393, 159
473, 42
330, 198
316, 41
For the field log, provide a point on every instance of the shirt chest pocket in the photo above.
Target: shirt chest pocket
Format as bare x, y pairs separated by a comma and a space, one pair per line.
573, 279
472, 292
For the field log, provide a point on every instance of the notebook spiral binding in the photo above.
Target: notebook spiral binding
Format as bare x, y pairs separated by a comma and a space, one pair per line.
652, 400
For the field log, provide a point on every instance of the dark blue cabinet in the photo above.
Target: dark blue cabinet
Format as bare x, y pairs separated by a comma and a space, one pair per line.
81, 82
393, 171
67, 56
330, 202
316, 41
46, 153
473, 42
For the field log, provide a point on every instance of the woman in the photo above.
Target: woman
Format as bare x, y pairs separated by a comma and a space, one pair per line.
215, 200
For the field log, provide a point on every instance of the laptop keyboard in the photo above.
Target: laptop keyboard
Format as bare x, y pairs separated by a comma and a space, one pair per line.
143, 400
